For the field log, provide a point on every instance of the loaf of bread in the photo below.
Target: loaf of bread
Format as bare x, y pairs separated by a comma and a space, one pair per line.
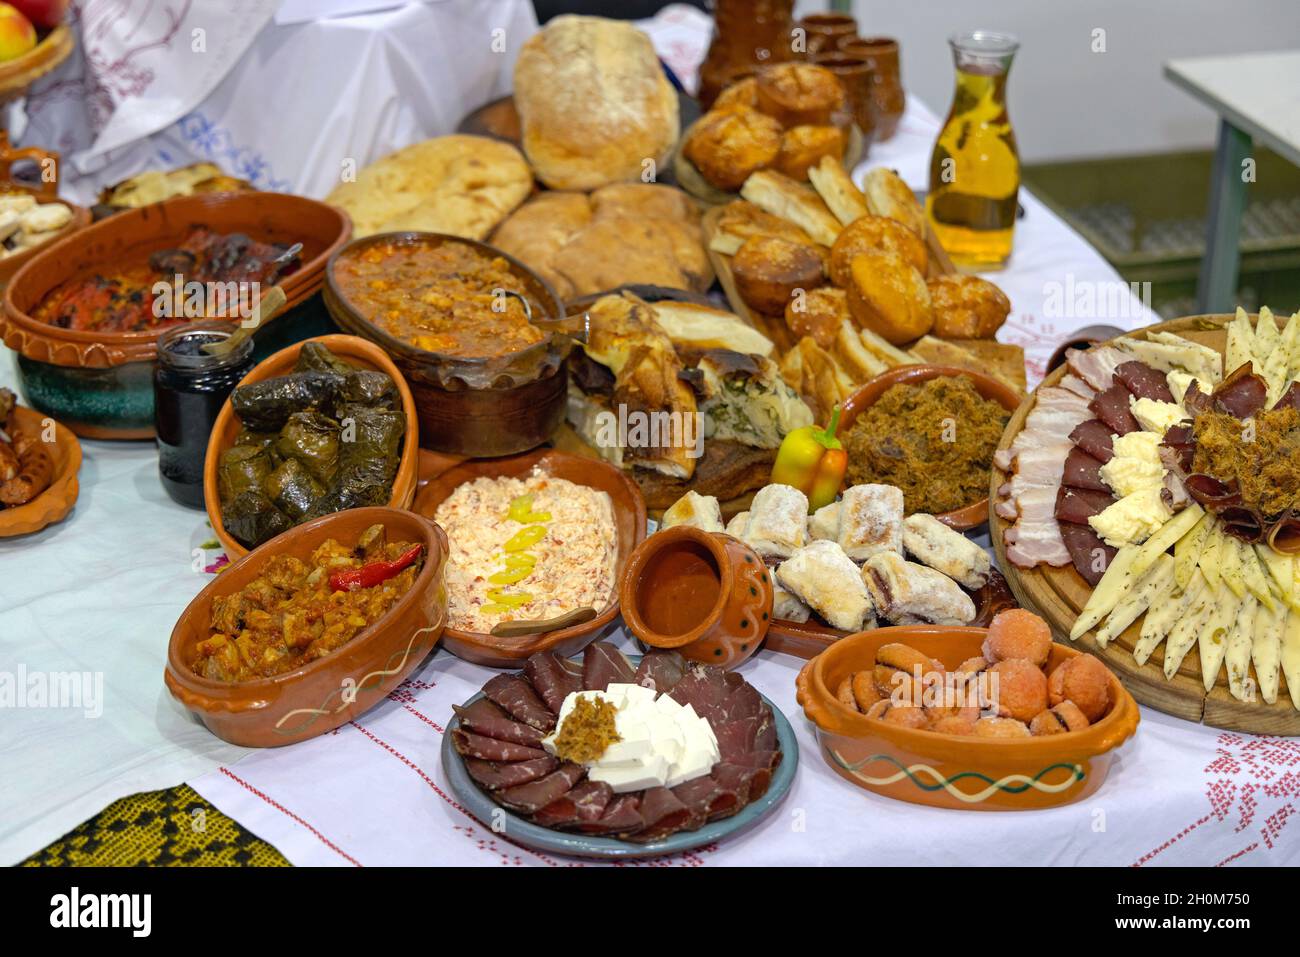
593, 102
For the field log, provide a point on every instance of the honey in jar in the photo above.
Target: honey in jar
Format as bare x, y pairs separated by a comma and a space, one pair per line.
975, 167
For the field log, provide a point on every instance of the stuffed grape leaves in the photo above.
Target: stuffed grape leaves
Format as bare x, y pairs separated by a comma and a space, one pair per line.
368, 461
242, 467
292, 488
252, 518
312, 439
267, 405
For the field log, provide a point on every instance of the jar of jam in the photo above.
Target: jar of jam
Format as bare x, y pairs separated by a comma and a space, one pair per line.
190, 386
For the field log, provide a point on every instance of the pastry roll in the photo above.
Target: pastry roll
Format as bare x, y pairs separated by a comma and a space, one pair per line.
786, 605
696, 510
778, 521
738, 525
933, 543
871, 521
825, 523
824, 579
904, 592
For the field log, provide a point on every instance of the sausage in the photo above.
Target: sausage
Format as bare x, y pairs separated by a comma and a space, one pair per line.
36, 470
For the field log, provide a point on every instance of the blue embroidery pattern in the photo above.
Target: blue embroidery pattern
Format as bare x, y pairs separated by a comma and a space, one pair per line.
215, 143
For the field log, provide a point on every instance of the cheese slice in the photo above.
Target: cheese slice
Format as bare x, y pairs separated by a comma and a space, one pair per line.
1237, 656
1153, 588
1240, 347
1184, 633
1161, 619
1281, 571
1266, 650
1169, 534
1208, 562
1253, 575
1291, 656
1114, 585
1230, 566
1187, 550
1213, 643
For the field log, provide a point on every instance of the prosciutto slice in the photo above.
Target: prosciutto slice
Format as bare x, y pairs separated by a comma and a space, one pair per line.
1290, 398
1144, 381
518, 698
487, 719
494, 776
1083, 471
1243, 393
603, 665
553, 678
490, 749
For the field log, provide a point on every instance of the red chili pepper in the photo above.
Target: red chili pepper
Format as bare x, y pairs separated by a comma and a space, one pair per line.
368, 576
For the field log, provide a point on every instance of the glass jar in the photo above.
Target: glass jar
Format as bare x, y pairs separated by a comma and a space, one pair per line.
975, 167
190, 386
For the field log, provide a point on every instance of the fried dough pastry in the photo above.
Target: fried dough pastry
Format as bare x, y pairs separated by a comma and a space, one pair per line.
872, 234
967, 307
799, 93
768, 270
888, 296
804, 146
726, 147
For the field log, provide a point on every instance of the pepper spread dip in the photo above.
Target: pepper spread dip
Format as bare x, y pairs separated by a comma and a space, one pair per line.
448, 298
295, 612
526, 549
935, 441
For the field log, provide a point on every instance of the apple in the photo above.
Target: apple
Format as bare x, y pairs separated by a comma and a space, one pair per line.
44, 14
17, 35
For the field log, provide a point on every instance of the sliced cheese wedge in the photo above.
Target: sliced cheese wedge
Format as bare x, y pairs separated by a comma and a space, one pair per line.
1213, 643
1230, 566
1168, 534
1281, 572
1152, 589
1209, 562
1240, 348
1161, 619
1266, 650
1114, 585
1267, 337
1182, 637
1187, 550
1237, 657
1291, 656
1253, 575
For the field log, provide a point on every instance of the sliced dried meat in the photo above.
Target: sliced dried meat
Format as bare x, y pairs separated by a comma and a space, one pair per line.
1083, 471
765, 737
518, 698
1112, 407
704, 689
1290, 398
532, 797
1080, 504
1088, 553
1284, 536
1243, 393
586, 802
736, 738
742, 702
663, 814
491, 749
553, 678
621, 816
1095, 438
484, 717
660, 670
1144, 381
603, 665
495, 776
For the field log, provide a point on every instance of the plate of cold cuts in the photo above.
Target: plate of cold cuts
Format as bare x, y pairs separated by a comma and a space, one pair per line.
496, 758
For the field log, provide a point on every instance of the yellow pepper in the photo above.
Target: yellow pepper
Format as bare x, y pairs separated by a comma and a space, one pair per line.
813, 460
525, 538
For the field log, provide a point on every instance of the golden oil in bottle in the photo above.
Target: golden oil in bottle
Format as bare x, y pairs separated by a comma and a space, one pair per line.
975, 167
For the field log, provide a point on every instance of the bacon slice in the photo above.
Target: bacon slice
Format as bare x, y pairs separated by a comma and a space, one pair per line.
1035, 539
1097, 365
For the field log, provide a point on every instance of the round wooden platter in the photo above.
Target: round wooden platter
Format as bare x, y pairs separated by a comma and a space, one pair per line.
1059, 594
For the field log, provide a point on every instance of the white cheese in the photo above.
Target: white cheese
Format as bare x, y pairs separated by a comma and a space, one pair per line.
661, 742
1133, 519
1179, 381
1136, 464
1154, 415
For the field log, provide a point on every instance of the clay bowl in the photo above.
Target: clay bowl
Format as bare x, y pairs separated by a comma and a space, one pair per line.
976, 513
55, 502
629, 517
475, 407
15, 261
321, 695
953, 771
360, 353
99, 384
709, 596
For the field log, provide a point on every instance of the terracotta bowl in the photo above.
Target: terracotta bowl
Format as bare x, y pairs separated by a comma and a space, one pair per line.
349, 348
709, 596
55, 502
474, 407
952, 771
100, 385
320, 696
15, 261
629, 517
977, 513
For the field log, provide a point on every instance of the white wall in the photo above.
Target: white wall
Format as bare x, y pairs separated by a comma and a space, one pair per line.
1066, 101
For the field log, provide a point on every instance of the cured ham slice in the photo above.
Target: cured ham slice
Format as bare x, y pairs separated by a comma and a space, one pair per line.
742, 702
603, 665
485, 718
1036, 538
1144, 381
490, 749
554, 678
1083, 471
703, 689
518, 698
1095, 438
1289, 398
495, 776
660, 671
1243, 393
1080, 504
1096, 366
535, 795
1083, 544
1112, 407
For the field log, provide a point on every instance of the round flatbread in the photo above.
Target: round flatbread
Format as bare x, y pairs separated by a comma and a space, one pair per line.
462, 185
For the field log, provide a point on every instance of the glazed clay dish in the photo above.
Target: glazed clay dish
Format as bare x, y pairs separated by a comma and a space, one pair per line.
350, 349
629, 516
53, 504
314, 699
947, 770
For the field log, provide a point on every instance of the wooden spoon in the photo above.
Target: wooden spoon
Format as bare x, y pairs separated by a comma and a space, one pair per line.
268, 306
516, 629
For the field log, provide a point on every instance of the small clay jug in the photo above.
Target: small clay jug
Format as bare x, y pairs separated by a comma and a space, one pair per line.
887, 84
703, 594
856, 75
823, 32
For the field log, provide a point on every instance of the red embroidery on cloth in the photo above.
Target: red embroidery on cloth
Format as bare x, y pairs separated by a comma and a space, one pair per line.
289, 814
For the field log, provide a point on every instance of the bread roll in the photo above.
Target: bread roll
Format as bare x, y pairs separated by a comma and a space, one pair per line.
741, 95
888, 296
593, 102
799, 94
967, 307
818, 313
727, 146
874, 234
805, 146
768, 270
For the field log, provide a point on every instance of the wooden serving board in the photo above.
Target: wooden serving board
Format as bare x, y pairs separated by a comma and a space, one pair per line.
1059, 594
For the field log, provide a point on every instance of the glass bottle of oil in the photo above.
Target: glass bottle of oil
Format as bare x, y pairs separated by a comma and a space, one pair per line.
975, 167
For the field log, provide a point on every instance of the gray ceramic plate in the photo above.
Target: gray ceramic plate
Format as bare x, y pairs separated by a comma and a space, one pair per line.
476, 801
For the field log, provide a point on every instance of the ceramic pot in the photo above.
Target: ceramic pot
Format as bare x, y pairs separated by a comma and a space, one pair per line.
887, 84
746, 35
55, 502
705, 595
825, 31
857, 76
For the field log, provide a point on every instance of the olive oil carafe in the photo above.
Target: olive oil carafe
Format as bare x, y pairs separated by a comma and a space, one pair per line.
975, 167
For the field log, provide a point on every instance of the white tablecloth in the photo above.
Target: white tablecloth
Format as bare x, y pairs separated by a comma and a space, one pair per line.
100, 592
